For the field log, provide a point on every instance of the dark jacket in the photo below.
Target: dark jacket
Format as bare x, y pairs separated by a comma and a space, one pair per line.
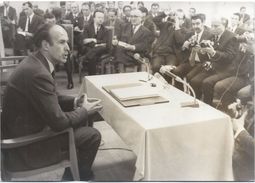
30, 105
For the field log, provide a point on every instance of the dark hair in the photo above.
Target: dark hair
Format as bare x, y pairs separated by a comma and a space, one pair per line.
62, 3
28, 3
242, 8
127, 6
155, 4
42, 34
198, 16
57, 12
86, 4
144, 10
113, 10
97, 11
140, 2
237, 14
48, 15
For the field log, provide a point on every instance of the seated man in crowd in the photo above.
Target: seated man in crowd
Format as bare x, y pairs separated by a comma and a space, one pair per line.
241, 69
94, 39
31, 104
135, 38
221, 51
27, 26
193, 64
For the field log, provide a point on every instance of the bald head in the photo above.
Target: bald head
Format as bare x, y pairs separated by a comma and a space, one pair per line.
218, 26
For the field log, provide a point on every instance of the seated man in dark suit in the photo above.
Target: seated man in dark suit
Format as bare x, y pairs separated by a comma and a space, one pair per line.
193, 63
94, 39
221, 51
31, 104
26, 28
135, 38
241, 69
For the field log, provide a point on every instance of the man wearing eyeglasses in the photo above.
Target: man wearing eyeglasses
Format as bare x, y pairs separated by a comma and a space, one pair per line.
134, 38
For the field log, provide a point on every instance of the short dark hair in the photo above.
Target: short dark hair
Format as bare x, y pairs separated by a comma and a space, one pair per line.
140, 2
113, 10
144, 10
155, 4
28, 3
97, 11
42, 34
49, 15
198, 16
237, 14
86, 4
127, 6
242, 8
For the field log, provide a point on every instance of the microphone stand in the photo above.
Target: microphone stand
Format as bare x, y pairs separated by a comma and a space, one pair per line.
193, 103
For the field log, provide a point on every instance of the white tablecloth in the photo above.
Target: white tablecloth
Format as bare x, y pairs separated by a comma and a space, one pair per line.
171, 143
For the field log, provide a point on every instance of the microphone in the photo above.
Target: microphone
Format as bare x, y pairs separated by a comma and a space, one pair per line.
138, 57
194, 103
144, 61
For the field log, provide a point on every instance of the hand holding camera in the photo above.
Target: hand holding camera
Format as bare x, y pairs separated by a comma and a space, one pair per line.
207, 66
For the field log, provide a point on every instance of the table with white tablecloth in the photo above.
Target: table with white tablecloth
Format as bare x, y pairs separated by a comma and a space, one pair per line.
172, 143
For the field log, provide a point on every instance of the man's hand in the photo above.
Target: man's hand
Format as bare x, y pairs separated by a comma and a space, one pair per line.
166, 68
210, 50
28, 34
115, 42
79, 100
92, 105
89, 40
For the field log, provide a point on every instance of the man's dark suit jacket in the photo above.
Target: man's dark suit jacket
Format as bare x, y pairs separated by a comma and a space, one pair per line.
30, 105
82, 23
142, 41
206, 35
102, 36
21, 43
12, 15
226, 49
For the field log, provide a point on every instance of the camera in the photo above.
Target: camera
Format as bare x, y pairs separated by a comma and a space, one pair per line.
206, 43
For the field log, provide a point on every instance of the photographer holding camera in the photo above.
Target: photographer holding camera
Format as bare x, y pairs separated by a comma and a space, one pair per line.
192, 64
220, 54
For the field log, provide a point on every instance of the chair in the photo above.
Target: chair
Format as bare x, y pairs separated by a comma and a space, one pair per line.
71, 161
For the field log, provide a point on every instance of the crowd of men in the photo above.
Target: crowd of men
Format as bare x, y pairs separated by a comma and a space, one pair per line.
217, 61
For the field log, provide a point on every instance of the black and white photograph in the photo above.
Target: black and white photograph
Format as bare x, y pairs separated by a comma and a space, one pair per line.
123, 91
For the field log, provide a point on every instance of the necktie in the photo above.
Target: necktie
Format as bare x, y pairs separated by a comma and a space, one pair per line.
27, 24
192, 57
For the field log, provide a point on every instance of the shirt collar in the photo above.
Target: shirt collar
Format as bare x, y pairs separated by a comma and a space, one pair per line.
31, 16
51, 66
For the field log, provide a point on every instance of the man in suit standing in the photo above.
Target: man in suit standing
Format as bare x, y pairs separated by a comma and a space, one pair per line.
244, 17
135, 38
8, 18
27, 26
86, 17
94, 39
31, 104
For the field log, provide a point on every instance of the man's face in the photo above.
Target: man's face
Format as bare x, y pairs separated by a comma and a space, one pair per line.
197, 25
6, 3
75, 8
111, 4
50, 20
235, 20
192, 12
136, 18
127, 11
85, 10
28, 11
154, 9
59, 49
120, 4
217, 28
111, 16
243, 10
99, 18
